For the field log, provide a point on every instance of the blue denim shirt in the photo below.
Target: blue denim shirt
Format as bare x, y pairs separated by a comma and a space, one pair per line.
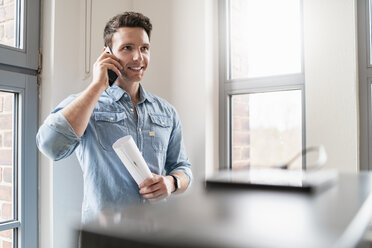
107, 183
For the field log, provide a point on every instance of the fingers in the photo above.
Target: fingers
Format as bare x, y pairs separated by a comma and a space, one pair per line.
113, 68
110, 60
105, 58
155, 188
105, 54
155, 194
104, 62
151, 188
149, 181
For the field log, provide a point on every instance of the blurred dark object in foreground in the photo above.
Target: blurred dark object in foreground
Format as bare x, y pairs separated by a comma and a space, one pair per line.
336, 217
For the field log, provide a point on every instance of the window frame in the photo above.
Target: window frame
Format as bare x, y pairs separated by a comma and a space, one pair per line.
229, 87
27, 56
26, 173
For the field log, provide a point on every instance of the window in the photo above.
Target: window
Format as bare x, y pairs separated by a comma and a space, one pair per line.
265, 38
7, 164
265, 123
9, 23
19, 47
19, 33
18, 160
261, 83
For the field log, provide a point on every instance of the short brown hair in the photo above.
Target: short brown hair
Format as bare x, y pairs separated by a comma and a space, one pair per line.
126, 19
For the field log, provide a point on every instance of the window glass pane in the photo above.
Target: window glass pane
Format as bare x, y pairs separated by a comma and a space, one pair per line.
266, 129
6, 155
265, 38
9, 28
6, 238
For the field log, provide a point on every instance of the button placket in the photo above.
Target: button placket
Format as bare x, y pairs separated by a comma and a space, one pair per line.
139, 128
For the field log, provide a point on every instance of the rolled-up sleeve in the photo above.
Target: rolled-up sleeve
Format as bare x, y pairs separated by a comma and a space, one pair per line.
177, 159
56, 138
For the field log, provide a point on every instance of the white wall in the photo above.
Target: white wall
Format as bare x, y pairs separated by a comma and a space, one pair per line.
183, 70
331, 80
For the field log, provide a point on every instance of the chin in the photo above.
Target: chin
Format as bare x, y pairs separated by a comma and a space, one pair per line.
136, 79
132, 78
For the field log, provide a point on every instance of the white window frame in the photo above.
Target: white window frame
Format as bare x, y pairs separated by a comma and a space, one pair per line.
229, 87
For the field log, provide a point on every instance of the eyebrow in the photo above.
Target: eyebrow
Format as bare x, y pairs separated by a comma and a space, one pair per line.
132, 44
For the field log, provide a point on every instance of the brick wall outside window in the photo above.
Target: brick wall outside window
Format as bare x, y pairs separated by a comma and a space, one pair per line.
7, 22
241, 134
6, 165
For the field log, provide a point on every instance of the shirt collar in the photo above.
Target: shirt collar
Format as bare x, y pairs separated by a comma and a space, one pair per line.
115, 92
144, 95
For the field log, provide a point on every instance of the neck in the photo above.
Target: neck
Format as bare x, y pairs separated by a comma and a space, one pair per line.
132, 88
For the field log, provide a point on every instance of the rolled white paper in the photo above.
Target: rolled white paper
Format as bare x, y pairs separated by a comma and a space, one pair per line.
131, 157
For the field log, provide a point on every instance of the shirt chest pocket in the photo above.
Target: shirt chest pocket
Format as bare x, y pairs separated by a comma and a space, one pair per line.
160, 131
110, 127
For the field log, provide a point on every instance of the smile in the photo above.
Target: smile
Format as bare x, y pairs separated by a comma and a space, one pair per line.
136, 68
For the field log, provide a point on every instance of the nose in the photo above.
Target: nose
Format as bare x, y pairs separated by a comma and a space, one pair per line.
137, 56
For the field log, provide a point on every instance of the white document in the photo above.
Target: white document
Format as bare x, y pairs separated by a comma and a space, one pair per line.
131, 157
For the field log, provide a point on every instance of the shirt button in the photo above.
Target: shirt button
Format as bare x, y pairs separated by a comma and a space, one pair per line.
131, 110
111, 118
162, 122
125, 95
139, 129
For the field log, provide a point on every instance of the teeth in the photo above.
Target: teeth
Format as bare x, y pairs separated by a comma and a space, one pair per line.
135, 68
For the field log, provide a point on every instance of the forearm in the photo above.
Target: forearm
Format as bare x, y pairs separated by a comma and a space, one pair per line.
78, 112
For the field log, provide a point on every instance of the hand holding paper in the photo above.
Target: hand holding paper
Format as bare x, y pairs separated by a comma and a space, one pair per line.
131, 157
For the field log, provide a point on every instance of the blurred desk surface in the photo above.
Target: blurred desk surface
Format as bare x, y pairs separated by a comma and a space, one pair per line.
336, 217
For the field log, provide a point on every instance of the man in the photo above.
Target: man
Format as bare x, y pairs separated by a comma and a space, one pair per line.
92, 121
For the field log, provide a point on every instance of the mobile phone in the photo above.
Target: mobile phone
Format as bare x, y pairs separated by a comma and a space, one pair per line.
111, 74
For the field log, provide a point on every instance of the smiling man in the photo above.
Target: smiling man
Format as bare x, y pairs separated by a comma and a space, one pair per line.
92, 121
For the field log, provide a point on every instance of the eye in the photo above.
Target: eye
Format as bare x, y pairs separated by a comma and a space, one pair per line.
145, 48
127, 48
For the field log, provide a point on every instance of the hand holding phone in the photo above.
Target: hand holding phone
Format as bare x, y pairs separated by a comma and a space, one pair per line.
111, 74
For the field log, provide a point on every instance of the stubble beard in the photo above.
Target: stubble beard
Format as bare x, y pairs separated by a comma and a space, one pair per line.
124, 77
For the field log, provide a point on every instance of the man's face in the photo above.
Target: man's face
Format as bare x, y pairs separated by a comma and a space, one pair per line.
132, 47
